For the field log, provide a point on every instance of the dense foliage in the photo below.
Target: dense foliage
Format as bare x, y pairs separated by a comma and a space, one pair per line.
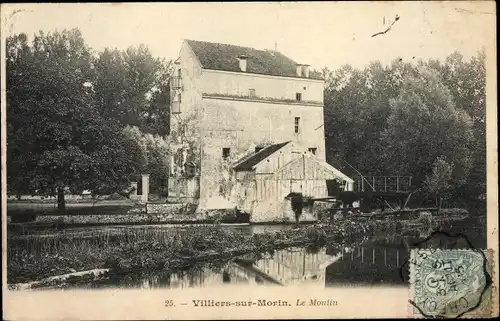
155, 157
407, 118
68, 106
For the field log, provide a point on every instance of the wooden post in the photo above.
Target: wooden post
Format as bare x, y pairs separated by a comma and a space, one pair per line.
61, 202
145, 188
373, 255
362, 184
373, 183
397, 183
385, 183
406, 202
409, 181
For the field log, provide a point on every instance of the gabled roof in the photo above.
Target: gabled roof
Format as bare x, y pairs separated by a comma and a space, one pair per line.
219, 56
255, 158
329, 168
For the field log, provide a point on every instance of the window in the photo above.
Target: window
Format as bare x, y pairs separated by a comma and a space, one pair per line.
251, 92
298, 96
226, 151
180, 98
190, 169
313, 150
258, 149
296, 125
179, 73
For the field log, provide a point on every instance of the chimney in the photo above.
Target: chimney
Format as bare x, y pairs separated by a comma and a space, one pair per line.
243, 62
305, 71
299, 70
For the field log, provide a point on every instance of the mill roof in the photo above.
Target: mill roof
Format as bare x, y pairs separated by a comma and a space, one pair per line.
224, 57
257, 157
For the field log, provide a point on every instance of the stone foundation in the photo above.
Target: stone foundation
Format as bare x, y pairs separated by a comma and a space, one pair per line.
167, 208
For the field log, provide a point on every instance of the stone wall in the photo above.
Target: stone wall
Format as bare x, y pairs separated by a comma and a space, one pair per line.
239, 84
242, 126
152, 208
185, 135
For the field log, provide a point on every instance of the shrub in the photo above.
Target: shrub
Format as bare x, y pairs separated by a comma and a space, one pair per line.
116, 196
426, 219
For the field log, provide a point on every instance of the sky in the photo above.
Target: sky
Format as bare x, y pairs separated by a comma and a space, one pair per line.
320, 34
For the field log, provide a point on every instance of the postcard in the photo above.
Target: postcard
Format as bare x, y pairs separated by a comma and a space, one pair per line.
268, 160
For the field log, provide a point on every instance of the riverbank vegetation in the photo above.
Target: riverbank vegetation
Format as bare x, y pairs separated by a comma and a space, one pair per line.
131, 250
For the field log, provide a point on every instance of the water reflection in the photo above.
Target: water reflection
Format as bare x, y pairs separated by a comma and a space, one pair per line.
292, 266
283, 267
369, 265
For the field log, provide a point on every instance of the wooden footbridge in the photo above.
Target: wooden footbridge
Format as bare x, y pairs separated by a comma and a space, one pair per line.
372, 192
383, 184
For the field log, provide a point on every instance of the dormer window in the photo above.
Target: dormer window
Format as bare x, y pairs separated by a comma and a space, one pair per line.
176, 105
298, 96
177, 80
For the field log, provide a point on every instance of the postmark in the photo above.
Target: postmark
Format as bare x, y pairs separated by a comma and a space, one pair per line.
449, 282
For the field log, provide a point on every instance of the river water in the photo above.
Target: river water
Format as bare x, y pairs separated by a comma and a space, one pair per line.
375, 261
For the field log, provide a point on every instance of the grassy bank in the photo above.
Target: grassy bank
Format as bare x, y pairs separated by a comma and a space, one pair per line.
35, 257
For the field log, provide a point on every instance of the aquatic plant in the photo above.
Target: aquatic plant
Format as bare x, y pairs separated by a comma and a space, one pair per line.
131, 250
426, 219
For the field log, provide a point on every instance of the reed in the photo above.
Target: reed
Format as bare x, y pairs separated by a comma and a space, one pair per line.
126, 250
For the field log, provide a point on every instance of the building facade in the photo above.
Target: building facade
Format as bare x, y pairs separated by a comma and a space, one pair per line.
232, 104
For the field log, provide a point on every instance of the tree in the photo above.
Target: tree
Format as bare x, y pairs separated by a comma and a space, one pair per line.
438, 182
356, 112
467, 83
397, 119
154, 157
133, 87
57, 135
424, 124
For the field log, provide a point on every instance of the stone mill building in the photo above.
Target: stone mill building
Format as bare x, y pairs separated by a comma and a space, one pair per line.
246, 131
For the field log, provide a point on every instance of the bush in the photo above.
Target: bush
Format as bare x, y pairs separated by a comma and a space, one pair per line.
316, 236
116, 196
426, 219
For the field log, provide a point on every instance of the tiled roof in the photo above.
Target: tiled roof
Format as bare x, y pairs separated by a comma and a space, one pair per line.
224, 57
258, 157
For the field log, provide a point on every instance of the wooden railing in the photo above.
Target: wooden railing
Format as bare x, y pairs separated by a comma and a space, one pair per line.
383, 183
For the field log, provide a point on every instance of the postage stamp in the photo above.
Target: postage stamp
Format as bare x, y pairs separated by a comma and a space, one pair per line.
450, 283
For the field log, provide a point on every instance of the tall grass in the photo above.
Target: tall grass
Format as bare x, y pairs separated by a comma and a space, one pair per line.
126, 249
141, 249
